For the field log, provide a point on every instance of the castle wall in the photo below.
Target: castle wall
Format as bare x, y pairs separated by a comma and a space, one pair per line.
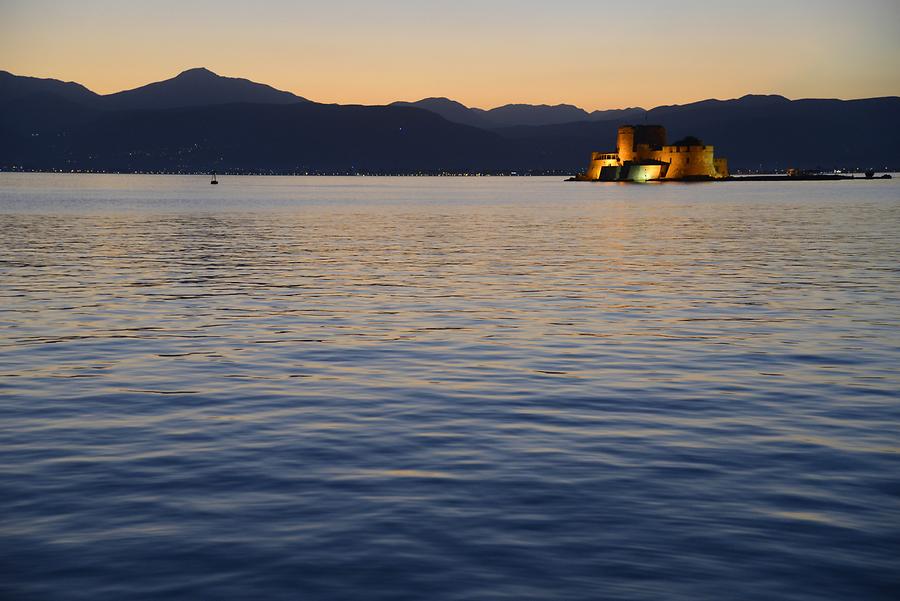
612, 173
643, 173
688, 161
645, 152
599, 160
721, 165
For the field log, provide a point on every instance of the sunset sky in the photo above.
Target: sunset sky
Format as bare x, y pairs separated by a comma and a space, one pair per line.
484, 53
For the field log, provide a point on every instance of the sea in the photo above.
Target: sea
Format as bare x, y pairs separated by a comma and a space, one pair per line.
448, 389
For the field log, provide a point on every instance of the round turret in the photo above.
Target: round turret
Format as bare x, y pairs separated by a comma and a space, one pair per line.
637, 142
625, 143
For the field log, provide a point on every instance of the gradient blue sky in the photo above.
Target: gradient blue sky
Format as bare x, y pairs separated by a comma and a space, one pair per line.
487, 53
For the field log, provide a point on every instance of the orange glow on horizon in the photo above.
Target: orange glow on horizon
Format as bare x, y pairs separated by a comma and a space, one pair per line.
351, 52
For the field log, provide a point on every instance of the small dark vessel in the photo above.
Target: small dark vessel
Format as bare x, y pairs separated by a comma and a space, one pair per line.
214, 180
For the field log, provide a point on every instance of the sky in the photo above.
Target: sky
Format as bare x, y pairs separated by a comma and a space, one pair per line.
485, 53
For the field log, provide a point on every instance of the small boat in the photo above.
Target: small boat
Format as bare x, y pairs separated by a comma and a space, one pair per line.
214, 180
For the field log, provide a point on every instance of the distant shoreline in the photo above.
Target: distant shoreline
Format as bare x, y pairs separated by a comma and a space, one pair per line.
738, 177
298, 174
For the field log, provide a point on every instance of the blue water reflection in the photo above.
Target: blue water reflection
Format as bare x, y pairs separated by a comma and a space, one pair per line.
448, 388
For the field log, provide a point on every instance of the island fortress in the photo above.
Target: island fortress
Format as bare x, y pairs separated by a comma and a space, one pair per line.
643, 155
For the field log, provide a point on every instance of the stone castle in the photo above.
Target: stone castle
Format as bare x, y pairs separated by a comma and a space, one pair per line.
643, 155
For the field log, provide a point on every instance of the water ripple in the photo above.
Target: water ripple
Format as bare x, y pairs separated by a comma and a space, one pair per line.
447, 389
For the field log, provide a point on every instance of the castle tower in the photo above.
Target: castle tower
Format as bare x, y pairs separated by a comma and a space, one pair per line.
625, 143
639, 142
654, 136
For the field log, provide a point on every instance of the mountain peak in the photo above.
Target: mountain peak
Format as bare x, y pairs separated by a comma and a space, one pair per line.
763, 99
450, 110
196, 72
441, 100
197, 87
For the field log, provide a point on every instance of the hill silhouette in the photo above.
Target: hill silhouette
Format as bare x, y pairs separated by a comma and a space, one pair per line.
451, 110
200, 121
517, 114
197, 87
13, 87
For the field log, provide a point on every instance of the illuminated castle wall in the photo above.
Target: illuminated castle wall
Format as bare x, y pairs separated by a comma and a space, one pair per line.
642, 154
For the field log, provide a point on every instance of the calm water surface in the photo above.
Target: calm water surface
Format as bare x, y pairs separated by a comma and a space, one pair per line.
448, 389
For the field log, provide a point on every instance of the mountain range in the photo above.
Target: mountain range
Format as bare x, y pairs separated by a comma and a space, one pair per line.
517, 114
194, 87
201, 121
